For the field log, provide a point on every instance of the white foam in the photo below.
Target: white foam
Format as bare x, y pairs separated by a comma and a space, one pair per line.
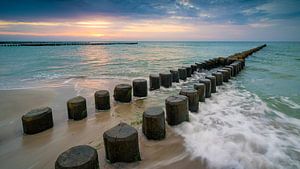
235, 129
287, 101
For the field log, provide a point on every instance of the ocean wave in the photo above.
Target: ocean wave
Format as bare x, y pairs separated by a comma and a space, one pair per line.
289, 103
236, 129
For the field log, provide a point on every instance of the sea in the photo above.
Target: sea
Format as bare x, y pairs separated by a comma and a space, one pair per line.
251, 122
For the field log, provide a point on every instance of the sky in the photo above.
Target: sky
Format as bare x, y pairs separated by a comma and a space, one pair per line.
153, 20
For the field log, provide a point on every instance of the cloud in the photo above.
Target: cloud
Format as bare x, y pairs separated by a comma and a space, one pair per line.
165, 19
214, 11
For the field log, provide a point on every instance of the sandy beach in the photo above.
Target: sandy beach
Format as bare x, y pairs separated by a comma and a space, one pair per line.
21, 151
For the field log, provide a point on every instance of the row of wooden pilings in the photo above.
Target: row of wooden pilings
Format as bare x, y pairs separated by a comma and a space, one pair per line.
121, 142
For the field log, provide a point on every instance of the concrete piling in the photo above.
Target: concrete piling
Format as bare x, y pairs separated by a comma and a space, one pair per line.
77, 108
207, 87
166, 79
177, 109
154, 123
193, 99
225, 75
213, 81
140, 87
154, 81
37, 120
82, 156
121, 144
123, 93
200, 87
175, 76
182, 73
102, 100
219, 78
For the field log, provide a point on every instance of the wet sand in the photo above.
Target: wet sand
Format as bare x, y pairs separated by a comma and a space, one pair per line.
37, 151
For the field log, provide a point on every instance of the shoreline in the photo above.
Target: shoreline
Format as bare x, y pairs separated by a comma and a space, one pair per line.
42, 149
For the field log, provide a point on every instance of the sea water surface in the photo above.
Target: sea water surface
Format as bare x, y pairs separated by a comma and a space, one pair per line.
252, 122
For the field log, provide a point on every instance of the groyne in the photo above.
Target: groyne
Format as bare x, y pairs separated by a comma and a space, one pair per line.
66, 43
121, 142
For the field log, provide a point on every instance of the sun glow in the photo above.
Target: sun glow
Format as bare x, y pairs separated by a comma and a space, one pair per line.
108, 28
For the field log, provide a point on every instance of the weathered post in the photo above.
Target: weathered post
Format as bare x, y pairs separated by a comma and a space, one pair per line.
240, 66
102, 100
235, 67
154, 81
175, 76
154, 123
242, 62
177, 109
37, 120
193, 99
82, 156
219, 78
140, 88
199, 66
229, 70
222, 61
123, 93
77, 108
207, 87
121, 144
182, 73
225, 75
188, 71
232, 70
166, 79
194, 68
200, 87
213, 82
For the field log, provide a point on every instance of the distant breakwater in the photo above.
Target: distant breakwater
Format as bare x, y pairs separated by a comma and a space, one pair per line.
41, 43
